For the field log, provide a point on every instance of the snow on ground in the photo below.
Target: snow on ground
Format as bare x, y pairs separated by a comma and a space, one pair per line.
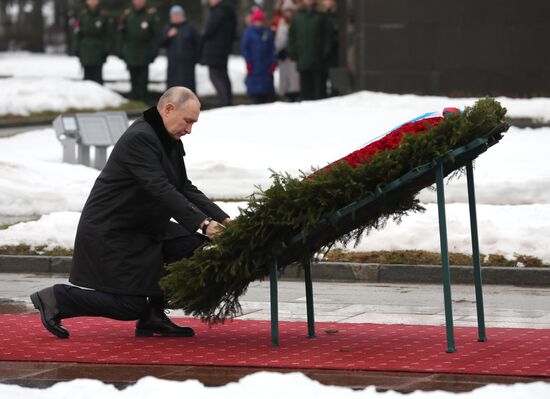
291, 385
23, 96
231, 150
49, 66
244, 142
506, 230
33, 181
56, 229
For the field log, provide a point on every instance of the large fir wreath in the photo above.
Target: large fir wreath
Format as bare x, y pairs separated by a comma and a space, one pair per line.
208, 284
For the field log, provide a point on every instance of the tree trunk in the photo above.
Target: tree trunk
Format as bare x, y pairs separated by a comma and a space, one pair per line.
62, 20
36, 43
21, 12
3, 30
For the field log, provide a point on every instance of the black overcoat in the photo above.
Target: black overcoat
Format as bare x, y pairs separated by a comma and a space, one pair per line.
182, 52
219, 35
118, 245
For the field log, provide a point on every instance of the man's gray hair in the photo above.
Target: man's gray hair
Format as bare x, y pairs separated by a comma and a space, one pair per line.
178, 96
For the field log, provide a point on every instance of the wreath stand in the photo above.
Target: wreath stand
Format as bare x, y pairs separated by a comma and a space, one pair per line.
348, 219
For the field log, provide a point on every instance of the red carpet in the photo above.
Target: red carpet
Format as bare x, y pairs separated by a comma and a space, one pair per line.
509, 351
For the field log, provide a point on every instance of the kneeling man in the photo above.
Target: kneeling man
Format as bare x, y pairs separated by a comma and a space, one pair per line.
125, 236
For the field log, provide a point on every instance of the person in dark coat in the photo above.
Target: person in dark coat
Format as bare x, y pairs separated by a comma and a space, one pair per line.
125, 236
216, 45
91, 39
330, 7
181, 40
258, 50
138, 36
309, 44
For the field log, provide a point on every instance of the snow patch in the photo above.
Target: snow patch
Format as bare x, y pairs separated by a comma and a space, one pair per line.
267, 385
23, 64
23, 96
504, 230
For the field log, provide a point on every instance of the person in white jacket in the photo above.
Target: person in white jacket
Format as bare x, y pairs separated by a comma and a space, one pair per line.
289, 78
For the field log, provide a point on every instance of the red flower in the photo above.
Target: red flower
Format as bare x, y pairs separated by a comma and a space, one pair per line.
389, 142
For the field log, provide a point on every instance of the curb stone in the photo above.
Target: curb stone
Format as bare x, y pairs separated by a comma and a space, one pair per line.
333, 271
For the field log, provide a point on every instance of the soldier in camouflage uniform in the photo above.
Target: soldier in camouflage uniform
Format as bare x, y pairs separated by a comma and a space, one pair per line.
91, 40
138, 29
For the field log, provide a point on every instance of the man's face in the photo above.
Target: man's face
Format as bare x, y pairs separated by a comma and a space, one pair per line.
139, 4
179, 121
329, 4
309, 3
92, 4
214, 2
177, 18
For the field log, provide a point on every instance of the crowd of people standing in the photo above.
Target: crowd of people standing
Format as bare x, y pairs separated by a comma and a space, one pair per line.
300, 40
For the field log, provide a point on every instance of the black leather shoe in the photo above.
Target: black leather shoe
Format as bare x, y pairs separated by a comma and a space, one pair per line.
44, 301
157, 323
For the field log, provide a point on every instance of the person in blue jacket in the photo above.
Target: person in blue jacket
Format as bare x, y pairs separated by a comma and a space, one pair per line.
258, 49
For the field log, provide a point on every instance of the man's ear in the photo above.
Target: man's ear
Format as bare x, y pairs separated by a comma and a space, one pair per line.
169, 107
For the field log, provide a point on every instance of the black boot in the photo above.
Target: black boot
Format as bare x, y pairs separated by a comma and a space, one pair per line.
44, 300
156, 322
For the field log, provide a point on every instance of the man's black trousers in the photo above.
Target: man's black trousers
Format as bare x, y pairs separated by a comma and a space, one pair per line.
94, 73
220, 80
313, 84
75, 302
139, 78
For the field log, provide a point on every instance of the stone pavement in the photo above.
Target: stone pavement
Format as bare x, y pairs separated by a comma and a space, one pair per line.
505, 306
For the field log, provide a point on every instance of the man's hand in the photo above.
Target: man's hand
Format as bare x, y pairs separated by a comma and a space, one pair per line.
172, 32
226, 221
213, 229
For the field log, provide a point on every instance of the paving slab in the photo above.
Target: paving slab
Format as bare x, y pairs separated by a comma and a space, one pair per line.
352, 302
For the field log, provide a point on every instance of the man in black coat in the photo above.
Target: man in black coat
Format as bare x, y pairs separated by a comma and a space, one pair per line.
216, 45
125, 236
181, 40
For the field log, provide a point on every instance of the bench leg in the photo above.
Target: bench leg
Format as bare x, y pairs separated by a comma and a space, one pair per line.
309, 299
445, 259
274, 294
475, 254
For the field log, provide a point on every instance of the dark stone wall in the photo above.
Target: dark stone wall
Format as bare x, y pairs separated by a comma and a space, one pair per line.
452, 47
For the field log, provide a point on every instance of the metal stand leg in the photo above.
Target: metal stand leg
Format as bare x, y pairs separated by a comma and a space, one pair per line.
274, 302
445, 259
83, 155
309, 300
69, 150
100, 158
475, 254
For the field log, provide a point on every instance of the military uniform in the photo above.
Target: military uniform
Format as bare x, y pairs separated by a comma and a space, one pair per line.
309, 44
138, 30
92, 32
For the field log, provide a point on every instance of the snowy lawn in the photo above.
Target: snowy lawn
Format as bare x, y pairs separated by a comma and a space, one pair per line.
505, 230
53, 74
265, 385
24, 96
231, 150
